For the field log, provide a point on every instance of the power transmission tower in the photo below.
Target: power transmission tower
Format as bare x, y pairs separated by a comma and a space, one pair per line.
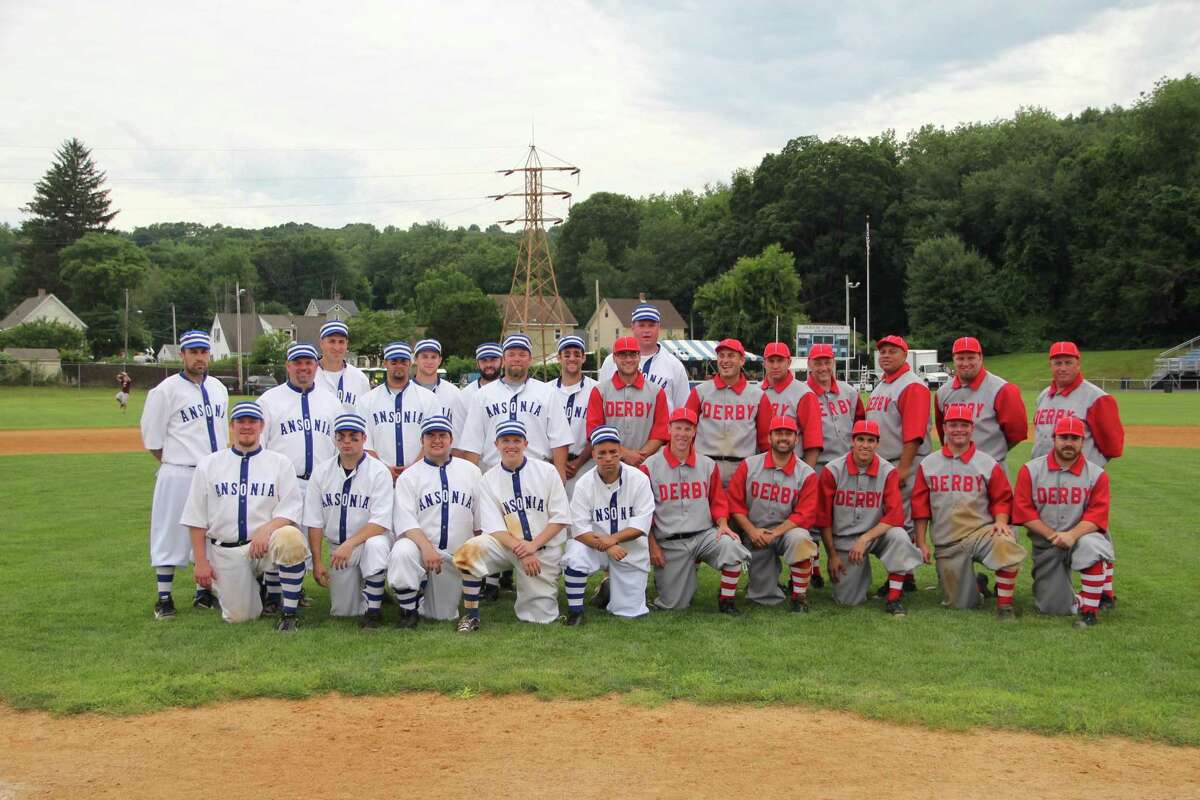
534, 304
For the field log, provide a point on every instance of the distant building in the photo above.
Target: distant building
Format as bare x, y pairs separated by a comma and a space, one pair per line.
42, 307
542, 330
169, 352
612, 320
43, 362
224, 331
335, 307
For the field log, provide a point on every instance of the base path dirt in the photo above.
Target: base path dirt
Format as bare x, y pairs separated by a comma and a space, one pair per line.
1162, 436
422, 745
70, 440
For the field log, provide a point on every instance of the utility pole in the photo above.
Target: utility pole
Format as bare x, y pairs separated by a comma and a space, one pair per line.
125, 352
238, 301
174, 330
869, 342
849, 286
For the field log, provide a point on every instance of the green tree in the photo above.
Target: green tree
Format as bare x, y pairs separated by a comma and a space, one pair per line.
370, 331
460, 320
99, 268
270, 349
744, 302
951, 292
612, 218
45, 333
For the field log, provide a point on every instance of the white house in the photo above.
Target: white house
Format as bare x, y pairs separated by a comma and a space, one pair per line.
42, 307
336, 307
224, 331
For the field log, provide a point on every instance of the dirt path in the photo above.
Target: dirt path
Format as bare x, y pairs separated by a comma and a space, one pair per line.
355, 747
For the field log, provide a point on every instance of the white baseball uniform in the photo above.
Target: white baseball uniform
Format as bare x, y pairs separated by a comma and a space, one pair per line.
575, 404
450, 401
533, 402
662, 368
300, 425
347, 386
394, 421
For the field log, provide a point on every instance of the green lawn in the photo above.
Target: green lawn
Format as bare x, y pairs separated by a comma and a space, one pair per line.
1032, 370
77, 632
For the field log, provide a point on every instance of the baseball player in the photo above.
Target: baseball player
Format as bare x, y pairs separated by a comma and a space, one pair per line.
574, 390
125, 383
517, 397
487, 360
1069, 395
345, 381
773, 500
241, 512
962, 496
791, 398
658, 364
437, 510
633, 405
183, 421
611, 512
733, 414
1062, 500
1000, 419
427, 356
524, 513
691, 520
860, 513
394, 411
349, 504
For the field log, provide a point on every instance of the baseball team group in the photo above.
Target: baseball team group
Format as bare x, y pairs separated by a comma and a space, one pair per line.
446, 494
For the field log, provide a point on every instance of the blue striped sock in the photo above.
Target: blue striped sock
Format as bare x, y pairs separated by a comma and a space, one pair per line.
576, 586
471, 588
407, 599
291, 579
271, 582
373, 590
164, 576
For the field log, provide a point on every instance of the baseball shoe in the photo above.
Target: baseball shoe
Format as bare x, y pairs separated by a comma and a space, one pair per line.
506, 579
288, 623
601, 597
573, 619
371, 620
981, 583
1006, 614
489, 592
910, 583
408, 619
882, 590
800, 604
467, 625
270, 607
1108, 602
304, 601
895, 609
817, 581
164, 609
1086, 620
204, 599
728, 607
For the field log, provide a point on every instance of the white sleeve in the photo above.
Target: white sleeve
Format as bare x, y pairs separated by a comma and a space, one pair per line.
154, 419
581, 510
404, 507
195, 510
265, 439
476, 519
458, 414
314, 516
607, 369
558, 508
290, 501
680, 390
473, 428
643, 501
383, 497
558, 430
491, 516
360, 408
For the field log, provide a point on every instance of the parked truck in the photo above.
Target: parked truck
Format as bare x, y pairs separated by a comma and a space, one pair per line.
925, 363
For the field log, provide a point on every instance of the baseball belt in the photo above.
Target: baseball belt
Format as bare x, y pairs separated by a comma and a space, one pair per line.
219, 543
676, 536
728, 458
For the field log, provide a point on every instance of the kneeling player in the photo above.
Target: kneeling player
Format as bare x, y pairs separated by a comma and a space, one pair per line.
860, 513
1062, 500
437, 510
524, 511
773, 499
963, 495
349, 502
241, 511
611, 512
691, 520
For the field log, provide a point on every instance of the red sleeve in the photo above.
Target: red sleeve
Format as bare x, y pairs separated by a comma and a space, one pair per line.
920, 496
808, 414
718, 501
893, 501
658, 428
1097, 507
804, 513
1108, 433
693, 402
938, 418
737, 490
1023, 508
914, 412
646, 472
1011, 414
595, 410
826, 487
1000, 494
860, 413
763, 423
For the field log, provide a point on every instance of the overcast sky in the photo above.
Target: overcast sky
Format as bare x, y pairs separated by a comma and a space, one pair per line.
252, 114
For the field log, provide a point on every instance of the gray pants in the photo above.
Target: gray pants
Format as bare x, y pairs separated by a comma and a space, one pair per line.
763, 585
906, 490
1053, 589
894, 550
676, 581
956, 564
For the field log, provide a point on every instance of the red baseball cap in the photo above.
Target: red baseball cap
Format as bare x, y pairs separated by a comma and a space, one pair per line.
683, 414
966, 344
731, 344
625, 344
1069, 426
779, 349
1064, 349
958, 411
868, 427
894, 340
783, 423
820, 351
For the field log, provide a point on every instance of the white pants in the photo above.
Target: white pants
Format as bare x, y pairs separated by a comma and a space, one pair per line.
346, 598
235, 582
170, 543
406, 572
626, 580
537, 596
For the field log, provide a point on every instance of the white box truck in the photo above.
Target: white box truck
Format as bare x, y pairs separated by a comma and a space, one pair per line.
925, 363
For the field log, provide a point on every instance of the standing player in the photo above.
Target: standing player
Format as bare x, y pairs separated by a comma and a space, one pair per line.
1069, 395
733, 414
345, 381
487, 361
691, 521
962, 495
1062, 500
773, 500
241, 512
634, 406
125, 383
658, 365
437, 510
427, 356
182, 422
791, 398
1000, 419
524, 513
349, 503
394, 411
611, 512
860, 513
574, 389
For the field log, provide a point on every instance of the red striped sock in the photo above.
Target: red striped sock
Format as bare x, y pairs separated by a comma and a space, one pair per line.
896, 585
729, 582
1091, 585
1108, 579
800, 574
1006, 579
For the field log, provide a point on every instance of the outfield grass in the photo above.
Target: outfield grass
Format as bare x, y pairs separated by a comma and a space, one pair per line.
1032, 370
75, 620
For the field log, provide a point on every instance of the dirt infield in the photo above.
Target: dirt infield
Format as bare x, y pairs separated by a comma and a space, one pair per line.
422, 745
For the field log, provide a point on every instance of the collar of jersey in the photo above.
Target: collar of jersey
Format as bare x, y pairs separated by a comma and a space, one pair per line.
524, 461
736, 387
298, 390
783, 384
438, 466
433, 388
872, 468
1075, 384
321, 367
819, 389
973, 385
357, 464
674, 462
639, 380
889, 377
788, 469
183, 375
966, 457
1076, 468
388, 387
240, 454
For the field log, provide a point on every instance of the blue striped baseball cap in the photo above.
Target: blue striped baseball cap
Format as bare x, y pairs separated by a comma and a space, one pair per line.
511, 427
349, 422
438, 422
194, 340
488, 350
397, 350
428, 344
571, 341
301, 350
518, 340
246, 408
335, 328
605, 433
646, 311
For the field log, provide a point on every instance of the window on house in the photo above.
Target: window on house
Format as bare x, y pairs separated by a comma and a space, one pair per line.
557, 334
217, 334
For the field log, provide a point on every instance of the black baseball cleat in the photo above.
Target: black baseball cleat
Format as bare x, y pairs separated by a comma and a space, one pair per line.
573, 619
371, 620
489, 592
601, 597
1108, 602
164, 609
506, 579
728, 607
981, 583
304, 601
204, 599
288, 623
882, 590
1005, 614
408, 619
895, 609
1086, 620
270, 606
799, 604
467, 625
817, 581
910, 584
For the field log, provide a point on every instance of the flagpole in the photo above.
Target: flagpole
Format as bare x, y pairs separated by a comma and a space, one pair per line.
868, 283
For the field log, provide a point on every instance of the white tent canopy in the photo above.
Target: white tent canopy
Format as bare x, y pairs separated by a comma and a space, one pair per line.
697, 350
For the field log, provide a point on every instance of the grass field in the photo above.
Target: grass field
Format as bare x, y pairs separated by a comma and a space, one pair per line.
1032, 370
75, 619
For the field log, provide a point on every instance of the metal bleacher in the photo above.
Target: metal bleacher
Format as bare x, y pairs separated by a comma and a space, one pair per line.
1178, 366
